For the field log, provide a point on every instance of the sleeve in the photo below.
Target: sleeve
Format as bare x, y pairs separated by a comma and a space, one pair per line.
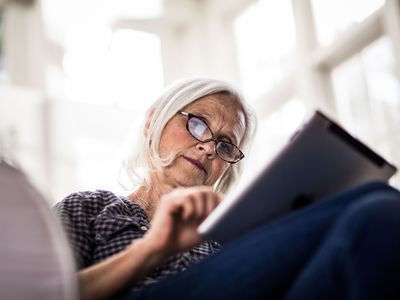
75, 218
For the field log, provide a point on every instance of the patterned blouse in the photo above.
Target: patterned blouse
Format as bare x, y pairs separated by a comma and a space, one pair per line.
100, 224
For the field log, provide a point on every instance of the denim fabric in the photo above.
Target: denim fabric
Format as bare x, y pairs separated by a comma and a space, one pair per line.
346, 246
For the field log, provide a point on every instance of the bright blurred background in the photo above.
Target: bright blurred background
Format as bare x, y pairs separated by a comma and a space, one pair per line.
75, 74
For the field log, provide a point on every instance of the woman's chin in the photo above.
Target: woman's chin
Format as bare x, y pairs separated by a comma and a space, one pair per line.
186, 175
190, 179
187, 182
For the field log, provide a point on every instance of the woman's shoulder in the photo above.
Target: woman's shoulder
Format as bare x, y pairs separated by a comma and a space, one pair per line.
89, 202
97, 195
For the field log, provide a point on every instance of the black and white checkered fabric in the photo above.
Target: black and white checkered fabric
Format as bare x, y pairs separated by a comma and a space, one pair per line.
100, 224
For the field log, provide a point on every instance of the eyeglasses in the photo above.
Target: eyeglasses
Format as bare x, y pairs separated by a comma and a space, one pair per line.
201, 132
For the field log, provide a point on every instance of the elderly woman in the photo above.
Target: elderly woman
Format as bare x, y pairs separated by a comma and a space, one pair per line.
189, 154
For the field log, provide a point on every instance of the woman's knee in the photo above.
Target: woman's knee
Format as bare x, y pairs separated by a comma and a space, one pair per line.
371, 187
376, 215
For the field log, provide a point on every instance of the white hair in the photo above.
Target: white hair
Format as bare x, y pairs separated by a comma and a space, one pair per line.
143, 157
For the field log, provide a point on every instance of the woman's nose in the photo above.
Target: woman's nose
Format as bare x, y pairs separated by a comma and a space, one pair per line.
208, 148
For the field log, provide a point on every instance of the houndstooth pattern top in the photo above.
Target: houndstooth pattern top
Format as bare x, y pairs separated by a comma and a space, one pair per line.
100, 224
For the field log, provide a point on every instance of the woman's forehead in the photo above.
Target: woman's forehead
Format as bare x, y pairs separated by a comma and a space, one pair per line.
218, 106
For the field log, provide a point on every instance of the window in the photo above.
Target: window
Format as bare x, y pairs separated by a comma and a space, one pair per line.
273, 132
138, 9
136, 67
352, 78
368, 98
121, 69
265, 37
115, 75
97, 164
335, 17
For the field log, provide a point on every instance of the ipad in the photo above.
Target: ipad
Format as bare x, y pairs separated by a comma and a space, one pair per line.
321, 158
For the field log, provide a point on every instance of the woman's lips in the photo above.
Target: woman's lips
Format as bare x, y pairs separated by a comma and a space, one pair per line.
196, 163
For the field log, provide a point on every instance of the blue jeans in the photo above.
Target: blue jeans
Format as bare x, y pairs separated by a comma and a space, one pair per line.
346, 246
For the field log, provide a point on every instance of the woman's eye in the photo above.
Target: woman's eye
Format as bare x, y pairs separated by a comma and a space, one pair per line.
224, 147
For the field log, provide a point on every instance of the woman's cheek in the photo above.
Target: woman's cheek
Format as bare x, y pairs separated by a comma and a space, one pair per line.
219, 171
173, 143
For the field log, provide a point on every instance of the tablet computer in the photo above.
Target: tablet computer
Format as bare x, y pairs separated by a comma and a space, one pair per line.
321, 158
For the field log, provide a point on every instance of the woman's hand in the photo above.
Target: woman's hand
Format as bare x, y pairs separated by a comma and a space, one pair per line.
175, 222
173, 230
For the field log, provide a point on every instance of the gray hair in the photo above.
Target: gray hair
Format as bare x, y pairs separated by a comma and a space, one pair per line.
144, 156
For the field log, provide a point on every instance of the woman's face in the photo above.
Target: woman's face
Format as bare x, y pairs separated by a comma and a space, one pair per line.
197, 163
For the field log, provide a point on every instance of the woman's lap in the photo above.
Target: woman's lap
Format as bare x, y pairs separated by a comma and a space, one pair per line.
360, 258
273, 258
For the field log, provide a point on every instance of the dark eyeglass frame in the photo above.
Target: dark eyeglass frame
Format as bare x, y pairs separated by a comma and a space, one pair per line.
215, 140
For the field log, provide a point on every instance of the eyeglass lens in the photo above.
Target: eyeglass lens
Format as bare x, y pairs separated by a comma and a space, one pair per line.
200, 130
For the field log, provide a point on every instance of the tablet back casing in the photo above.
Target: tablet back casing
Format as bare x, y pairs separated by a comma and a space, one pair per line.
320, 159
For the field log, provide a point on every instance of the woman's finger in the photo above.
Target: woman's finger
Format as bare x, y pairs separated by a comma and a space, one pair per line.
194, 203
188, 207
201, 204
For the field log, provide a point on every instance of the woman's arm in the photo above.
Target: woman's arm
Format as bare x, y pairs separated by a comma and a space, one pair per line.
173, 230
119, 272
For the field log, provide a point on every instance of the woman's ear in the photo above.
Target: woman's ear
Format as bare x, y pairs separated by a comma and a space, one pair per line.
148, 121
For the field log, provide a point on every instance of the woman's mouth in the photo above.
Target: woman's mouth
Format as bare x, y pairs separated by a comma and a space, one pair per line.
196, 163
